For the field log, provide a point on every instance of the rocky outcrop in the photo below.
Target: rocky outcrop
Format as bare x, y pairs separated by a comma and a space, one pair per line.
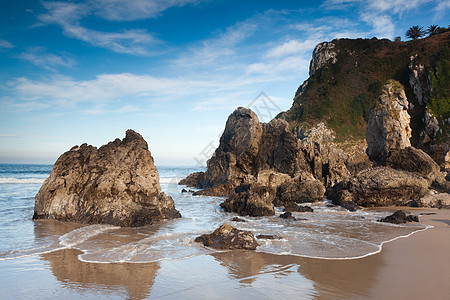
380, 186
116, 184
416, 77
413, 160
193, 180
251, 152
323, 53
220, 190
441, 200
388, 125
400, 217
228, 237
301, 191
253, 201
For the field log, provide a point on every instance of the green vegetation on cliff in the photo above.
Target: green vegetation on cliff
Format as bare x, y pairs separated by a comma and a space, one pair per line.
341, 93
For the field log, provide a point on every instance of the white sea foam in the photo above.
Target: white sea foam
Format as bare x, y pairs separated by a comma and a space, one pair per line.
22, 180
77, 236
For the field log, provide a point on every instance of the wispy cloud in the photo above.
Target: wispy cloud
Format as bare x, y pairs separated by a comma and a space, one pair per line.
68, 15
39, 57
126, 10
5, 45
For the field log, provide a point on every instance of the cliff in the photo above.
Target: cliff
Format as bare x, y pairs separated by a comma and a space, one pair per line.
347, 77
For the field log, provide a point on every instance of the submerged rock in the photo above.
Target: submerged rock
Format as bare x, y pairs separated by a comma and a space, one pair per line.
297, 208
228, 237
268, 237
116, 184
400, 217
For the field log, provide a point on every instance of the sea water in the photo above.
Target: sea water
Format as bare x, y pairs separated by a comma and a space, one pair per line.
329, 232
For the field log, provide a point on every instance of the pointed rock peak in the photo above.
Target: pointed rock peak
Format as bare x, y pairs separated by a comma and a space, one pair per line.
135, 139
244, 112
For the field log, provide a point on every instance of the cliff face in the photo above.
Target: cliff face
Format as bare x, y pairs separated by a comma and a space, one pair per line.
347, 77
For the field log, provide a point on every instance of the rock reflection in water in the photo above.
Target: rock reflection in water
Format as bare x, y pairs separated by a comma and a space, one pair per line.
136, 280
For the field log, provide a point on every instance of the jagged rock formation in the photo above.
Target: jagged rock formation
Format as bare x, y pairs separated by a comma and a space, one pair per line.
323, 53
349, 79
228, 237
116, 184
388, 125
252, 152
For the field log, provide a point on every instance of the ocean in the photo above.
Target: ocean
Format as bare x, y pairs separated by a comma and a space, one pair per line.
47, 259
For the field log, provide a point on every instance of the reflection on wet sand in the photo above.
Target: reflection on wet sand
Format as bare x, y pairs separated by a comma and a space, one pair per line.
341, 279
136, 280
330, 278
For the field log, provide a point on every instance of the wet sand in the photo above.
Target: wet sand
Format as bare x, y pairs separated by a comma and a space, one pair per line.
416, 267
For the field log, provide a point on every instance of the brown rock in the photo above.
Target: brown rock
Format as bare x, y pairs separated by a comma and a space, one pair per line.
253, 201
441, 200
400, 217
116, 184
193, 180
388, 125
220, 190
297, 191
380, 186
413, 160
228, 237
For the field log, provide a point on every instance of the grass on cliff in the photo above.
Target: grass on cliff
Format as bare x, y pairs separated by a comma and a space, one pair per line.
341, 94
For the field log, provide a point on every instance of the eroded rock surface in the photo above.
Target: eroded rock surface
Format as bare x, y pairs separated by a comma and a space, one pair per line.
228, 237
116, 184
253, 201
388, 126
380, 186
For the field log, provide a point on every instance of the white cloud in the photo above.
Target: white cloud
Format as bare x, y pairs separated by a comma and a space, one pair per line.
395, 7
383, 26
49, 61
340, 4
291, 47
5, 45
68, 15
126, 10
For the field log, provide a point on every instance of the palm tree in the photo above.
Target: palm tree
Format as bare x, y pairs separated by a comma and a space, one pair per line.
415, 32
432, 29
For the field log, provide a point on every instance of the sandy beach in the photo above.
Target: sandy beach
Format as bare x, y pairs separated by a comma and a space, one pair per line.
416, 267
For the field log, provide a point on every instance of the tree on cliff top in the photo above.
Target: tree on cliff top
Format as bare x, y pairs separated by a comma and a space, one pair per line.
415, 32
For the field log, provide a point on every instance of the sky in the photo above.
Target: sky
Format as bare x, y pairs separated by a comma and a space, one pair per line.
74, 72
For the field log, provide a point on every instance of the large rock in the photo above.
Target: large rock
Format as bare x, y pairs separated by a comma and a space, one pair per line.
413, 160
251, 152
301, 191
380, 186
116, 184
228, 237
253, 201
388, 125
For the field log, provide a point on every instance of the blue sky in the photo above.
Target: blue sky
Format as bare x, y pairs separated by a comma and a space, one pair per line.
86, 71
